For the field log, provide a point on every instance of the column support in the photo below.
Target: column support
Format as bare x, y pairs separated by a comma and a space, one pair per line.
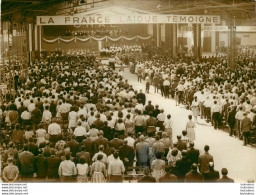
174, 40
30, 47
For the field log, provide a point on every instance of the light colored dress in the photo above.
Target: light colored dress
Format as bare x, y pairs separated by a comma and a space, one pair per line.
195, 108
98, 170
158, 168
40, 134
190, 127
82, 172
72, 119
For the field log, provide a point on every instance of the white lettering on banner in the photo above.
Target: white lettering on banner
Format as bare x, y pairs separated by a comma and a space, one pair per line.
125, 19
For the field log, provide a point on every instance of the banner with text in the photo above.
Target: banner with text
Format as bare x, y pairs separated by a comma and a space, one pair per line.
126, 19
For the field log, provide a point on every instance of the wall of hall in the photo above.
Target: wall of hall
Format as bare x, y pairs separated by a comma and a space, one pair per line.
247, 38
243, 38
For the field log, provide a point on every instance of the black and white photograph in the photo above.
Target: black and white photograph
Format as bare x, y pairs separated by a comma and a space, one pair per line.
128, 91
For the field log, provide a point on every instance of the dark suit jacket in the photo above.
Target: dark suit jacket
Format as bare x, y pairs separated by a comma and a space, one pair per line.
107, 132
231, 118
149, 108
26, 162
203, 161
115, 143
147, 179
126, 151
47, 151
225, 179
156, 112
181, 145
211, 176
88, 143
41, 166
74, 147
141, 96
98, 124
193, 155
36, 116
183, 167
53, 163
245, 124
168, 178
193, 176
86, 155
100, 141
32, 147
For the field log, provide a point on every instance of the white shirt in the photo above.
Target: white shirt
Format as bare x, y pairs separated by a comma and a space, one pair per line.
47, 115
161, 117
139, 107
54, 129
25, 115
216, 108
82, 112
82, 169
130, 141
168, 123
166, 83
180, 87
116, 167
80, 131
67, 168
31, 107
239, 115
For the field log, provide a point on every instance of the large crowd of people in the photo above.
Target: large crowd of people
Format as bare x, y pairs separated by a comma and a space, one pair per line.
90, 125
116, 49
209, 88
100, 32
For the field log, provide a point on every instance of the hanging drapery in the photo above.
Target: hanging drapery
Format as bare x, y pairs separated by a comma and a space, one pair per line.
83, 40
114, 39
96, 39
50, 41
129, 38
144, 38
67, 41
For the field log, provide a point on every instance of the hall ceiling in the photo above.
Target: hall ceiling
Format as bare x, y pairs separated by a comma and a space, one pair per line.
243, 9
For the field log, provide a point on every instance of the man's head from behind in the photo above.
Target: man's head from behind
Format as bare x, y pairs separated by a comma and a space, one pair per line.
206, 148
116, 155
67, 155
224, 171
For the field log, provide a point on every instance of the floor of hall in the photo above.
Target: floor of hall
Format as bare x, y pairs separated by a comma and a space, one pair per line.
227, 151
